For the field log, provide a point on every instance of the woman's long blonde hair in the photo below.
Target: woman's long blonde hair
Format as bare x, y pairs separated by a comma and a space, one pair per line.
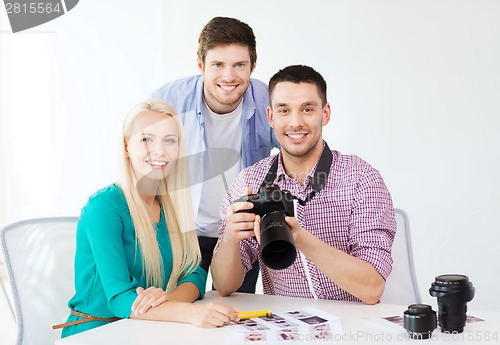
175, 198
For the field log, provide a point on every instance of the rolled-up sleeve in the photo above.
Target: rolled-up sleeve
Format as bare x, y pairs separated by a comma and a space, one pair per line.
373, 224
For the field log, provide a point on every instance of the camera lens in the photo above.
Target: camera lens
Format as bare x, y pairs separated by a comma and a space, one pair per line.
276, 241
419, 321
453, 291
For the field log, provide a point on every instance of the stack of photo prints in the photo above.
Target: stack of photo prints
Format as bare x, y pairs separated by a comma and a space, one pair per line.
304, 325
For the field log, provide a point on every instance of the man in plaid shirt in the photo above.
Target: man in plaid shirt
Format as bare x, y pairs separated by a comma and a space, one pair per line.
343, 231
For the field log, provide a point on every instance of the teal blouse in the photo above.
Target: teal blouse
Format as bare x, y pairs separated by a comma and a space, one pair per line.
108, 261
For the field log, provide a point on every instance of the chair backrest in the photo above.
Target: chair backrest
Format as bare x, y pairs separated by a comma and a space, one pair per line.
39, 256
401, 286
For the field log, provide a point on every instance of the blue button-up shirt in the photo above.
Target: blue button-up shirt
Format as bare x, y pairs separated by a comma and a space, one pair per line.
186, 96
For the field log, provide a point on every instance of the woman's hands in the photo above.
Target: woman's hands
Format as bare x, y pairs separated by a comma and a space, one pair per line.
151, 297
207, 315
211, 315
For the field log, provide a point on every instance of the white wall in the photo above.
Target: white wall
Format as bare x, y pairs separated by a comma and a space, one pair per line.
414, 86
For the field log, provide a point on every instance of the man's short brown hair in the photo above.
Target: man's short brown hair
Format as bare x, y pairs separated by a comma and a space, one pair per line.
222, 31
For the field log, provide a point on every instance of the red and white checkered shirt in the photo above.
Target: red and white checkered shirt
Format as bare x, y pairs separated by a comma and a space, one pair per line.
353, 213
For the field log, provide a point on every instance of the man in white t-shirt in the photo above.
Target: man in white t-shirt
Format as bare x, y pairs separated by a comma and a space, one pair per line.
223, 112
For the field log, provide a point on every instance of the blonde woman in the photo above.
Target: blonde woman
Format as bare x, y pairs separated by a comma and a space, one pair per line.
137, 255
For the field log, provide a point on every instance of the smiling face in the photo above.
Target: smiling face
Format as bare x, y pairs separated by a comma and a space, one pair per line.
297, 115
226, 73
153, 145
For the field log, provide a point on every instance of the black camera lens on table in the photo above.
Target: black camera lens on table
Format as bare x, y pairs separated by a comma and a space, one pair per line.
453, 291
420, 321
277, 246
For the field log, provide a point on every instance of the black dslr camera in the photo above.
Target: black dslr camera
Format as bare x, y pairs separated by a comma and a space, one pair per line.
277, 246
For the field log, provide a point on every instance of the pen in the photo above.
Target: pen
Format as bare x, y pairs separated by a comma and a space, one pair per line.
243, 315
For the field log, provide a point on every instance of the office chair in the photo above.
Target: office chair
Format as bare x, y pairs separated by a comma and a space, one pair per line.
401, 286
39, 256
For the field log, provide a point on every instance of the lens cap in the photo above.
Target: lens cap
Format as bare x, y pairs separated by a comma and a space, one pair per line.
451, 283
419, 321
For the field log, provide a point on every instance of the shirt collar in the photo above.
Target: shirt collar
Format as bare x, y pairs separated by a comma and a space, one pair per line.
248, 104
282, 175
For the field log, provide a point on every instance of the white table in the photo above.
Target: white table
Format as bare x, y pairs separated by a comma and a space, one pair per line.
355, 320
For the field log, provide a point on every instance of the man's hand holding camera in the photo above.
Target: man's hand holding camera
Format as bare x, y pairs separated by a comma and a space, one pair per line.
298, 232
268, 215
240, 223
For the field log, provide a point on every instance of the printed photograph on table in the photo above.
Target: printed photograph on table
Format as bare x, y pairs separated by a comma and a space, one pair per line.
252, 337
307, 323
254, 326
320, 328
398, 320
472, 319
298, 314
288, 334
312, 320
284, 323
272, 318
321, 336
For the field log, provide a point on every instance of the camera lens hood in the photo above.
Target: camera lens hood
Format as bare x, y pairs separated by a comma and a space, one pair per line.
456, 286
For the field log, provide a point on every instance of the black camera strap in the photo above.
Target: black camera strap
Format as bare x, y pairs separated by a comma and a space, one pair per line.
319, 178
